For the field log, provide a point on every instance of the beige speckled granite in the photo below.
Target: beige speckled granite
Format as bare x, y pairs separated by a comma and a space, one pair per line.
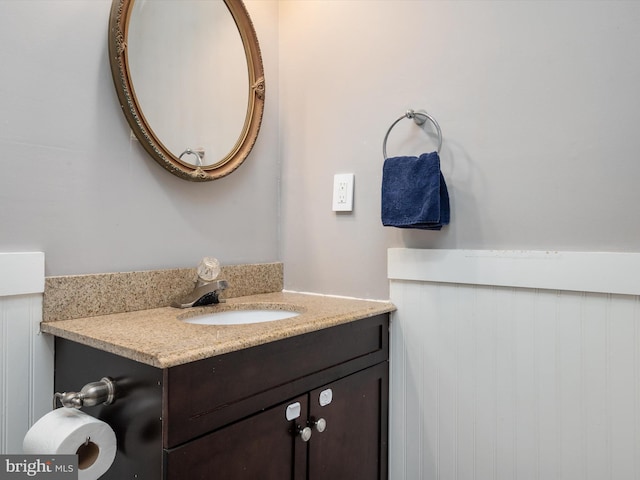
157, 337
79, 296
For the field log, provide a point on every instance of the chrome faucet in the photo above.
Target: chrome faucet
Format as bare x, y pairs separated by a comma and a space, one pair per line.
207, 290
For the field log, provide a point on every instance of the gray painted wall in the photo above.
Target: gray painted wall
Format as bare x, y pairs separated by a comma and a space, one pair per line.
74, 185
538, 103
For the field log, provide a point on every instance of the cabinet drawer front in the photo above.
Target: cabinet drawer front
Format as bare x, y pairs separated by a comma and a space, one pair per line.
207, 394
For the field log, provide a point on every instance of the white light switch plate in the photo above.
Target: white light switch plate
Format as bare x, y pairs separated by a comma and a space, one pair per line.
343, 192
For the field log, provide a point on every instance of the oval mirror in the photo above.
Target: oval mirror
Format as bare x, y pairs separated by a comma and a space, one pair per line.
189, 77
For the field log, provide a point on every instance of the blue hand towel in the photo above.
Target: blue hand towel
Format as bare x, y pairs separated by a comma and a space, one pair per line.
414, 193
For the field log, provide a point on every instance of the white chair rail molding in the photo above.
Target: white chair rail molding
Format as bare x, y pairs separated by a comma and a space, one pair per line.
514, 365
26, 355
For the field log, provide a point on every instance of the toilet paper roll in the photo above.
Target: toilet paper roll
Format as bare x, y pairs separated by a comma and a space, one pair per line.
70, 431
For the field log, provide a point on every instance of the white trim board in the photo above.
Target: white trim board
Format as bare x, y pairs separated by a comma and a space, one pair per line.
21, 273
598, 272
26, 355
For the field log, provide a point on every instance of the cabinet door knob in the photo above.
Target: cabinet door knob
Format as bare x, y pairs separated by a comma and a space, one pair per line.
304, 433
320, 424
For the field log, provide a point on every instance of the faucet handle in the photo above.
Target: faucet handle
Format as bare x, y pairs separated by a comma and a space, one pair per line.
209, 269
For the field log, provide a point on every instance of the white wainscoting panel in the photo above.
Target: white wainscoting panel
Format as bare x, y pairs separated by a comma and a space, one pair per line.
26, 355
513, 383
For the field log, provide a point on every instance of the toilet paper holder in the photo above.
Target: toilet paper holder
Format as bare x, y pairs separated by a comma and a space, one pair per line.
94, 393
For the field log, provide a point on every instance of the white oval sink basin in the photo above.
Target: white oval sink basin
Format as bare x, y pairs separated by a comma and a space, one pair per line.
239, 317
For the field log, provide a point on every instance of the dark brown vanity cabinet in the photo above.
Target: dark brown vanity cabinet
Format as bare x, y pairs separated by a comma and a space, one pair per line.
341, 439
313, 406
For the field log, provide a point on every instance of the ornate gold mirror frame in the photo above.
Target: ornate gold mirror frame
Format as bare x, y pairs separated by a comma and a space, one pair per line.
118, 30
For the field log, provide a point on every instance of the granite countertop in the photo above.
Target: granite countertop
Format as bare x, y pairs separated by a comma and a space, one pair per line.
159, 338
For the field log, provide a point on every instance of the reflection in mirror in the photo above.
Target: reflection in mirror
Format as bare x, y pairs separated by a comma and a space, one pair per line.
190, 79
207, 50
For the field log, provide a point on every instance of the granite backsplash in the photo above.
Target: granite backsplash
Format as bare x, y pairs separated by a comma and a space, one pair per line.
79, 296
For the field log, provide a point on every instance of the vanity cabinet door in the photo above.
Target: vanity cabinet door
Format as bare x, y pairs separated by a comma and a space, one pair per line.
264, 446
353, 444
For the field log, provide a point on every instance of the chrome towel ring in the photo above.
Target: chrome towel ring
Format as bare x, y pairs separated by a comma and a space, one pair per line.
419, 118
199, 153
